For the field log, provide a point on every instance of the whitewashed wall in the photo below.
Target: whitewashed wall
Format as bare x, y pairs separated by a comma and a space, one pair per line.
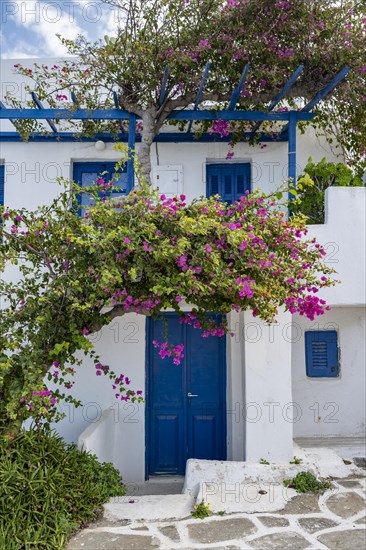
259, 358
32, 168
331, 406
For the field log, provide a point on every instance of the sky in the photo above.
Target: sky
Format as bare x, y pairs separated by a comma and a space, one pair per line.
28, 27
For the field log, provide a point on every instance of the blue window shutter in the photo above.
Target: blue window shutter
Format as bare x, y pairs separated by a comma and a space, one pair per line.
85, 174
230, 181
2, 184
213, 180
228, 191
321, 353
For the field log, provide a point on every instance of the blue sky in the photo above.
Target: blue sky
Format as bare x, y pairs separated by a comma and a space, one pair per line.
28, 27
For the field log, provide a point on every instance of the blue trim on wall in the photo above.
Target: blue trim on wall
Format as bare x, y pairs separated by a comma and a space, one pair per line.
2, 184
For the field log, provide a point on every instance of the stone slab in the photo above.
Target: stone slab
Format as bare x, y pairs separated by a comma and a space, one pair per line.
342, 540
345, 505
101, 540
302, 504
209, 532
274, 521
171, 532
280, 541
312, 525
150, 507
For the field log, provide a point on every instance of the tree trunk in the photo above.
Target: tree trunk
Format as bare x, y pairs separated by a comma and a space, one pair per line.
149, 131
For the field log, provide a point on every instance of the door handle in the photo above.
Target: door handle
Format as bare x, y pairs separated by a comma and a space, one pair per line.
189, 394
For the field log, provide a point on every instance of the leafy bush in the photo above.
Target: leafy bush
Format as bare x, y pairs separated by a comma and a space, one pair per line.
201, 510
49, 488
306, 482
323, 175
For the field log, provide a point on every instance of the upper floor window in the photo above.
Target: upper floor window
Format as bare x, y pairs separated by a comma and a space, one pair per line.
321, 353
230, 181
85, 174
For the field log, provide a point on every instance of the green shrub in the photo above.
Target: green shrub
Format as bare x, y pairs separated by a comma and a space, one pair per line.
306, 482
49, 488
201, 510
324, 174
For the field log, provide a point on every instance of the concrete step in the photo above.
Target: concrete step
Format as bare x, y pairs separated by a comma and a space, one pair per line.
149, 507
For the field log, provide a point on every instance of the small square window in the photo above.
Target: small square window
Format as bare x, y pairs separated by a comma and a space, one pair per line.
321, 353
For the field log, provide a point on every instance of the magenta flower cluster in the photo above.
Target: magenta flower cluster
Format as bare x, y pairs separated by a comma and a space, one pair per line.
170, 351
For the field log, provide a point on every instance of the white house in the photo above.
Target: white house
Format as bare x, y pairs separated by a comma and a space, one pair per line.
247, 398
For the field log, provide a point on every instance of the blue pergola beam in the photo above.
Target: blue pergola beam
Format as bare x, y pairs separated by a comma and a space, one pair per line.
115, 114
236, 92
164, 137
326, 90
199, 94
2, 106
291, 81
292, 151
322, 94
40, 107
163, 86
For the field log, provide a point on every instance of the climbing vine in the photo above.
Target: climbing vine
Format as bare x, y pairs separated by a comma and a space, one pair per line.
273, 36
72, 270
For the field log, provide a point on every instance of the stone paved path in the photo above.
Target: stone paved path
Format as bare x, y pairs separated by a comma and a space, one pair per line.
335, 520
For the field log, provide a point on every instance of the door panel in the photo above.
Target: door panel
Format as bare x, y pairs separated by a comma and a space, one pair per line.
179, 426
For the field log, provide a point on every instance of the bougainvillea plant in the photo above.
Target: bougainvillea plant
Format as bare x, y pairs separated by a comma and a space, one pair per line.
273, 36
78, 269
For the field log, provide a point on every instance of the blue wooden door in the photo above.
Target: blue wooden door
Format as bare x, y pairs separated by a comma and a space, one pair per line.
230, 181
186, 402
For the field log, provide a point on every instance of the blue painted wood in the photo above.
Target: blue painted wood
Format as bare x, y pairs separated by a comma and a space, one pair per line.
2, 184
85, 173
40, 106
326, 90
199, 94
321, 95
292, 151
230, 181
291, 81
74, 99
116, 100
236, 92
163, 87
181, 427
2, 106
131, 152
164, 137
321, 354
115, 114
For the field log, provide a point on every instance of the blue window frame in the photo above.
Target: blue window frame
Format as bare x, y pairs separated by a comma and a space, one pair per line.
230, 181
321, 353
85, 174
2, 184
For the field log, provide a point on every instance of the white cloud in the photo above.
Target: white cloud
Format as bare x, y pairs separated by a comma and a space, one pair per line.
44, 19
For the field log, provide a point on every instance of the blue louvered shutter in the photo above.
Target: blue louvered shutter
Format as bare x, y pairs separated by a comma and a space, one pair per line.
2, 184
321, 353
242, 180
230, 181
213, 179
